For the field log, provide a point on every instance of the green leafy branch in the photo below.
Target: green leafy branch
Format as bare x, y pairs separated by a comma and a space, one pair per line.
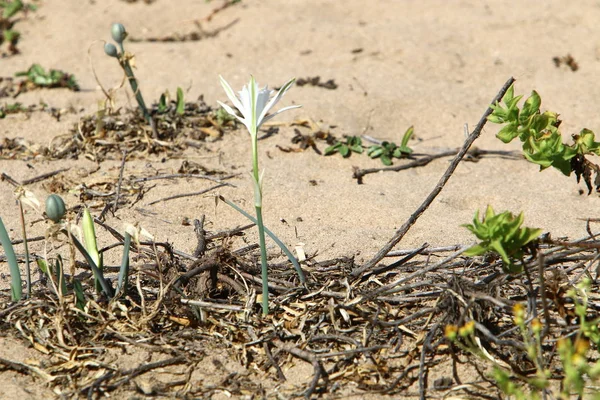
501, 233
541, 138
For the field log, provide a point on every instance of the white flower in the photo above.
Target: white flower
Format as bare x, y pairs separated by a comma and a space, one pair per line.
254, 103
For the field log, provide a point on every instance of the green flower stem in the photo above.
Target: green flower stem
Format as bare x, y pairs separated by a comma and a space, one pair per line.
27, 262
134, 86
263, 261
259, 219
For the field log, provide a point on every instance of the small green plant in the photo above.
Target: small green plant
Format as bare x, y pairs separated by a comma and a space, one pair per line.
542, 141
56, 211
165, 100
501, 233
12, 108
353, 144
388, 150
37, 76
8, 12
119, 34
254, 104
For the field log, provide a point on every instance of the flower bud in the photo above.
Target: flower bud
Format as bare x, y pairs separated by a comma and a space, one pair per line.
110, 50
55, 207
118, 32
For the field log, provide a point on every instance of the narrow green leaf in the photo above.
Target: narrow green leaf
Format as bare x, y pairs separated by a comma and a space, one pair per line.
180, 102
407, 135
79, 294
106, 288
124, 270
282, 246
11, 258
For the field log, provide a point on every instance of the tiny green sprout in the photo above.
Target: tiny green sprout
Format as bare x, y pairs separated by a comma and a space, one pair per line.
501, 233
111, 50
353, 145
180, 109
388, 150
38, 77
55, 207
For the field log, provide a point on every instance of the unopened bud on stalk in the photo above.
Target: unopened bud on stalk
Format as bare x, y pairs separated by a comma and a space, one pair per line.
118, 32
110, 50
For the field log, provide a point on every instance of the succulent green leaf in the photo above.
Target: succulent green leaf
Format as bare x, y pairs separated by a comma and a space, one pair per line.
531, 106
503, 234
332, 149
344, 150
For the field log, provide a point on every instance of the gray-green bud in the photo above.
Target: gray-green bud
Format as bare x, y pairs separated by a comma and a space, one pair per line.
55, 207
118, 32
110, 50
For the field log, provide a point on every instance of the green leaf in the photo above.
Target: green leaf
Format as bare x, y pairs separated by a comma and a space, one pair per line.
10, 9
16, 288
79, 294
407, 135
508, 133
531, 106
124, 270
279, 243
375, 151
386, 160
180, 102
332, 149
162, 104
42, 265
357, 148
106, 288
344, 150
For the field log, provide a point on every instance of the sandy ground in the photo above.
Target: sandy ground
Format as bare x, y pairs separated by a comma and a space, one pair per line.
432, 64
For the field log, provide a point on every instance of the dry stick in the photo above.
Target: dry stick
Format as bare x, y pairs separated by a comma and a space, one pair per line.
438, 188
116, 203
177, 196
474, 153
200, 236
5, 177
40, 178
422, 374
174, 176
308, 357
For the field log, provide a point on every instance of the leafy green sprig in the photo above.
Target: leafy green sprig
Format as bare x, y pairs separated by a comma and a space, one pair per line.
501, 233
541, 139
353, 144
388, 150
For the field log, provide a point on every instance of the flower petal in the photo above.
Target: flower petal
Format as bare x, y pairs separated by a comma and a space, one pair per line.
231, 112
230, 94
275, 99
268, 117
262, 100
